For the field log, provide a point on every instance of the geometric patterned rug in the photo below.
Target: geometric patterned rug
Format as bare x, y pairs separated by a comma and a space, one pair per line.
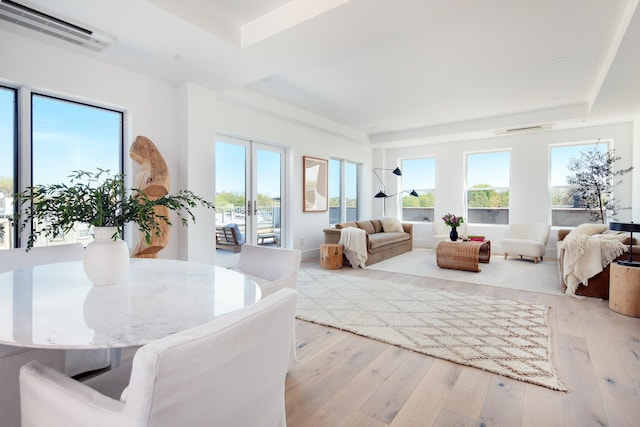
506, 337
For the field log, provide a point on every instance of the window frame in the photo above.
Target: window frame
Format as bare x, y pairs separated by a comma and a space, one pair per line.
579, 214
429, 211
471, 218
342, 208
23, 140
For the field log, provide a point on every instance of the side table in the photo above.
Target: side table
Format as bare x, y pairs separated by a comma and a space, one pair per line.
331, 256
624, 289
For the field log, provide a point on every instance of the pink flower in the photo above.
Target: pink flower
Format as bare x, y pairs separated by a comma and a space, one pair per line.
452, 220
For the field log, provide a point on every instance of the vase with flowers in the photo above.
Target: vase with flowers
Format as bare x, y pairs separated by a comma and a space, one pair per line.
454, 222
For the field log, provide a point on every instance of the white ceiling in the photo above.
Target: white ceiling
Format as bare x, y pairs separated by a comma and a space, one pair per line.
389, 69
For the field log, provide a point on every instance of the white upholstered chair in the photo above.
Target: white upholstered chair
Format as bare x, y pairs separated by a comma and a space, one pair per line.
71, 362
273, 269
527, 239
228, 372
441, 231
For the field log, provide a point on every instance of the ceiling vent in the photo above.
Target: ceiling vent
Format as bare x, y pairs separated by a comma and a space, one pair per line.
522, 129
55, 27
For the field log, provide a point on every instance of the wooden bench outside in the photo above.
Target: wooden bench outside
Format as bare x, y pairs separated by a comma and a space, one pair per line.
226, 238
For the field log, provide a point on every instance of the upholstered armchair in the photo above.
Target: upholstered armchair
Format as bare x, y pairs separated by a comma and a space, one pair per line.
228, 372
527, 239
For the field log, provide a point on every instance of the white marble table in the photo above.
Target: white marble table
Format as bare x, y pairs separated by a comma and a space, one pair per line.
56, 306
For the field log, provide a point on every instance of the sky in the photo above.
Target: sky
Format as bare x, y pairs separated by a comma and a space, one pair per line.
230, 169
66, 137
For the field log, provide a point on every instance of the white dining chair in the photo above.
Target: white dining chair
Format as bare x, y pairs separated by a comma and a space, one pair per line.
72, 362
273, 269
228, 372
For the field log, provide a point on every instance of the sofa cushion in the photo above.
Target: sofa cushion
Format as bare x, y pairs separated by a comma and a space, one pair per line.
589, 229
366, 226
345, 225
391, 225
377, 240
377, 225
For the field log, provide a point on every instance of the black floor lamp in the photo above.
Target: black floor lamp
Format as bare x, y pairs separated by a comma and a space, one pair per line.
631, 228
381, 194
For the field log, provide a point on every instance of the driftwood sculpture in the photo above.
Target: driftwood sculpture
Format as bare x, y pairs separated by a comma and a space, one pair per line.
153, 180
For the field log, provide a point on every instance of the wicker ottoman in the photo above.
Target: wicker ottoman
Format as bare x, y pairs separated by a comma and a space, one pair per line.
463, 255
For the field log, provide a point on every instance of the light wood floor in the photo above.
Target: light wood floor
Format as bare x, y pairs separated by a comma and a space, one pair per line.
342, 379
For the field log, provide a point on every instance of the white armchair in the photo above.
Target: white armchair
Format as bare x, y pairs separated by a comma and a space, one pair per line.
441, 231
71, 362
273, 269
228, 372
527, 239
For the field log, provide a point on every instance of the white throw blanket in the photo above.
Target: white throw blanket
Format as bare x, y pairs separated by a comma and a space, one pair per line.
354, 242
585, 256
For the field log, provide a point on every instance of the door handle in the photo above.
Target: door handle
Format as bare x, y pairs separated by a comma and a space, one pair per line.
248, 207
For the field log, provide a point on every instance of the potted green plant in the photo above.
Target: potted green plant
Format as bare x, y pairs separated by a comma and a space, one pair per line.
102, 201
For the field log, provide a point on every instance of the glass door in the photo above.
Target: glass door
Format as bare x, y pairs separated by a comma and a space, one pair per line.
249, 189
267, 197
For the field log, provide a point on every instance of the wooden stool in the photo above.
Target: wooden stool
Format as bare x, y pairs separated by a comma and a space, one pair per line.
624, 289
331, 256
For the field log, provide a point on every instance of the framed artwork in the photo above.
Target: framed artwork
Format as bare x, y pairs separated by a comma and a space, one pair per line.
315, 184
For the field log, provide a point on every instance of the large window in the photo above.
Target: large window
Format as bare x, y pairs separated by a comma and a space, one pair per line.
343, 191
7, 162
487, 187
565, 209
65, 136
418, 175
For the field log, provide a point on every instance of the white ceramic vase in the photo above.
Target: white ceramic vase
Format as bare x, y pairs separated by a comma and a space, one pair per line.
106, 260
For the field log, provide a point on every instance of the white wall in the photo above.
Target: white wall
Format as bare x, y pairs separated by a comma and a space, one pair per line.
150, 105
182, 120
209, 113
529, 175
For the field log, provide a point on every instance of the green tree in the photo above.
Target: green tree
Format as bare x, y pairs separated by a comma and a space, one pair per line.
6, 184
484, 196
594, 179
422, 201
225, 198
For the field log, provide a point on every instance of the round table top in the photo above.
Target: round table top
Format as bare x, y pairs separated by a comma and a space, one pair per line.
56, 306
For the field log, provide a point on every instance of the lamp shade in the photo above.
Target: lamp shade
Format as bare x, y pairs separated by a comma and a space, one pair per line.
629, 227
380, 195
624, 226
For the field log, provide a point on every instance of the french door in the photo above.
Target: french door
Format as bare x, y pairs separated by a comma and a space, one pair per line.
250, 178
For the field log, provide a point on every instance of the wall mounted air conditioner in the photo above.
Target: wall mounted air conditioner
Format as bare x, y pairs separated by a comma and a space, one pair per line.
36, 20
522, 129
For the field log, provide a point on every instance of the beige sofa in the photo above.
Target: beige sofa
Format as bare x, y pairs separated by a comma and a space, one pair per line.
381, 245
598, 285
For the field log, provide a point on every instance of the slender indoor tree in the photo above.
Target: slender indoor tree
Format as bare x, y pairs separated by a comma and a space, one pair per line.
594, 178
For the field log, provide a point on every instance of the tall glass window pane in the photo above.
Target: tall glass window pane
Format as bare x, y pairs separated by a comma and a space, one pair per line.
69, 136
488, 181
418, 175
343, 191
335, 191
565, 209
7, 163
351, 190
